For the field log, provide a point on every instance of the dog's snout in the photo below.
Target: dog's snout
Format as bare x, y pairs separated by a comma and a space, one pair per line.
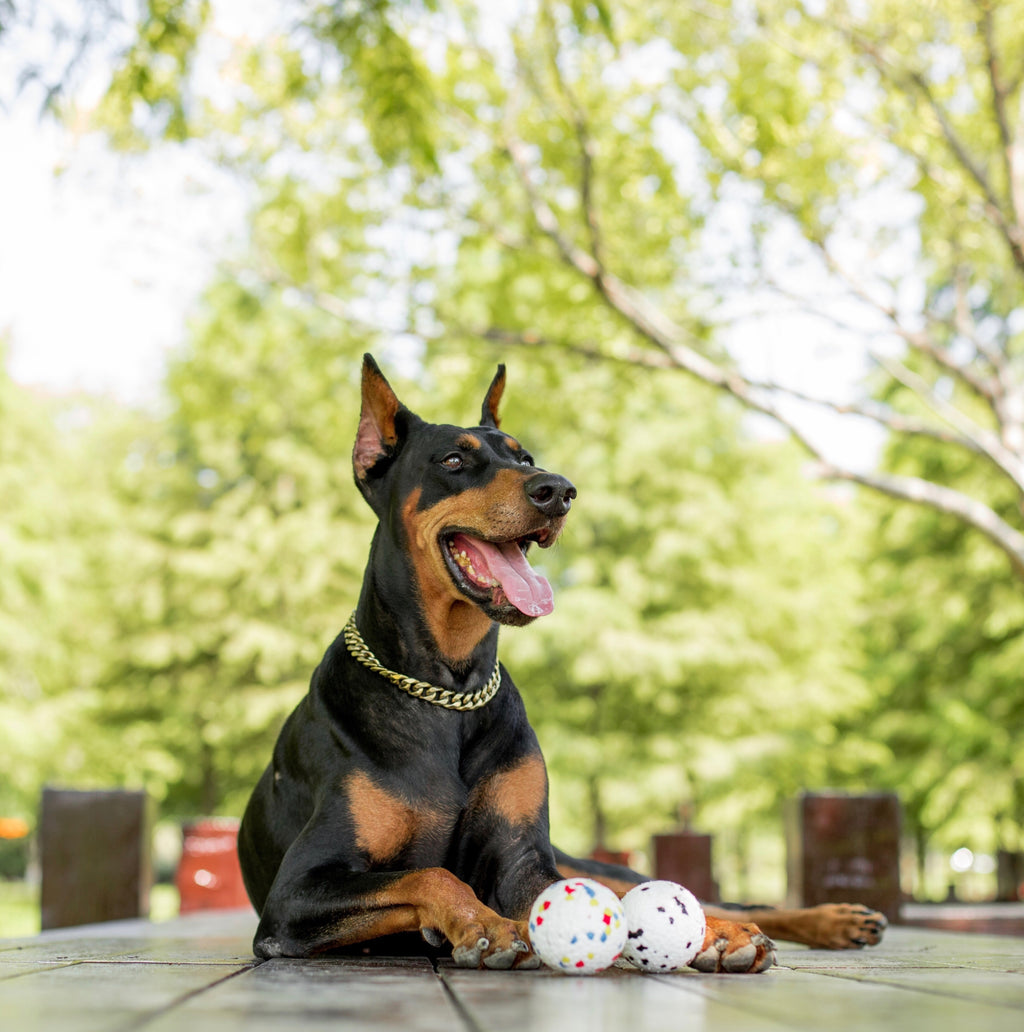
550, 493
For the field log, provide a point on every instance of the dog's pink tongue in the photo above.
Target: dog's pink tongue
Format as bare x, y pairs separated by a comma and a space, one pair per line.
523, 586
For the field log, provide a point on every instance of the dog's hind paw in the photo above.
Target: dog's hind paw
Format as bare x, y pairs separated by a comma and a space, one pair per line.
846, 926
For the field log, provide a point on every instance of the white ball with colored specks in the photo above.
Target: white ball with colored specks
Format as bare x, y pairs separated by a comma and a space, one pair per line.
666, 926
577, 926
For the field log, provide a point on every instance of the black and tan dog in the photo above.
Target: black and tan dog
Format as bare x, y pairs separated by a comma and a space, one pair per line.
407, 792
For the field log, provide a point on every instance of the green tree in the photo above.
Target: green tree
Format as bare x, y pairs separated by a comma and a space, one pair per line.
945, 644
874, 149
59, 525
618, 182
695, 657
248, 545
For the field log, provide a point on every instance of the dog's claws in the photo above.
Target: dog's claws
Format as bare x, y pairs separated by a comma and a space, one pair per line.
476, 956
768, 961
741, 959
470, 956
708, 960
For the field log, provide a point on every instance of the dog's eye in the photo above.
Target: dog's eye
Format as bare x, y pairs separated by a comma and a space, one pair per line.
453, 461
526, 460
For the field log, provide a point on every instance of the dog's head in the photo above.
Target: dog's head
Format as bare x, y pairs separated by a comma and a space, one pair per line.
464, 503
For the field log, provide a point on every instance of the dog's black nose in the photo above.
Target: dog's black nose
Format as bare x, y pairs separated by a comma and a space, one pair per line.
550, 493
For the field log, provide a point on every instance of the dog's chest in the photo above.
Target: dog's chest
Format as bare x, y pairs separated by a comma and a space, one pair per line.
413, 827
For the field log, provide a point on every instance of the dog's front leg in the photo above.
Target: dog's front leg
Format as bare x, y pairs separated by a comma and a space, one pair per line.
503, 846
327, 909
322, 899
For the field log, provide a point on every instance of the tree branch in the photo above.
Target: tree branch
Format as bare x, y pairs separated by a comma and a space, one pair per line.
670, 340
911, 489
875, 412
585, 142
944, 499
914, 81
1011, 153
987, 442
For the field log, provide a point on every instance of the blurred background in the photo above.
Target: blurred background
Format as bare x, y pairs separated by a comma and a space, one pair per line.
755, 268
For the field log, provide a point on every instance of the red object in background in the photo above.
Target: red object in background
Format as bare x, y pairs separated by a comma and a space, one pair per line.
610, 856
209, 877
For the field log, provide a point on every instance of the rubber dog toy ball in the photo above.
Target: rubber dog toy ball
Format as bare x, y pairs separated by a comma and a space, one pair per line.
666, 926
577, 926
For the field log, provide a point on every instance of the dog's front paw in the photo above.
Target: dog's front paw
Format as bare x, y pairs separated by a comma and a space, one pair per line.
502, 945
734, 948
847, 926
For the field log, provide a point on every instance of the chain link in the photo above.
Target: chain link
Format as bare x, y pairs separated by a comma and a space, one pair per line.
421, 689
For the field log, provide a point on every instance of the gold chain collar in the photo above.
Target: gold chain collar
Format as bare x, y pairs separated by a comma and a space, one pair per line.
421, 689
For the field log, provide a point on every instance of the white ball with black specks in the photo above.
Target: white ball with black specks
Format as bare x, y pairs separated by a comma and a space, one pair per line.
577, 926
666, 926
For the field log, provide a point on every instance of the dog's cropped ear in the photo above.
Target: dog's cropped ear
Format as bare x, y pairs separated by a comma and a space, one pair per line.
383, 422
489, 412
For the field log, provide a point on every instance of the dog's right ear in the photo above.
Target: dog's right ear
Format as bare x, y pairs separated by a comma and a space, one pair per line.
383, 421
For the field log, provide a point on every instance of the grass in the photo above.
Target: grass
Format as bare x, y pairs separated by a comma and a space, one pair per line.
19, 907
163, 903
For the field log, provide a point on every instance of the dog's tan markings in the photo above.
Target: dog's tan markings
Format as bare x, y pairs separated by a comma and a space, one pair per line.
834, 926
469, 441
512, 443
516, 793
384, 824
456, 625
499, 511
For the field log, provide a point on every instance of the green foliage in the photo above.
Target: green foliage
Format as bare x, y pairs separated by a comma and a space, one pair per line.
448, 189
251, 544
147, 96
694, 655
58, 525
945, 644
389, 75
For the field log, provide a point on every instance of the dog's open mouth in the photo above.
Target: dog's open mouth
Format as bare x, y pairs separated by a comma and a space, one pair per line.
496, 573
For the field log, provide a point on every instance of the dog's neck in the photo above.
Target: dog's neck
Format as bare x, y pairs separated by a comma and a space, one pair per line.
392, 621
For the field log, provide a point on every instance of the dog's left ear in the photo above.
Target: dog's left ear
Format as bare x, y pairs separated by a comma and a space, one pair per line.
489, 412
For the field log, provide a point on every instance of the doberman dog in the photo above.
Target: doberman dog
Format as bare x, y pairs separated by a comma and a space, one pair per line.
407, 792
